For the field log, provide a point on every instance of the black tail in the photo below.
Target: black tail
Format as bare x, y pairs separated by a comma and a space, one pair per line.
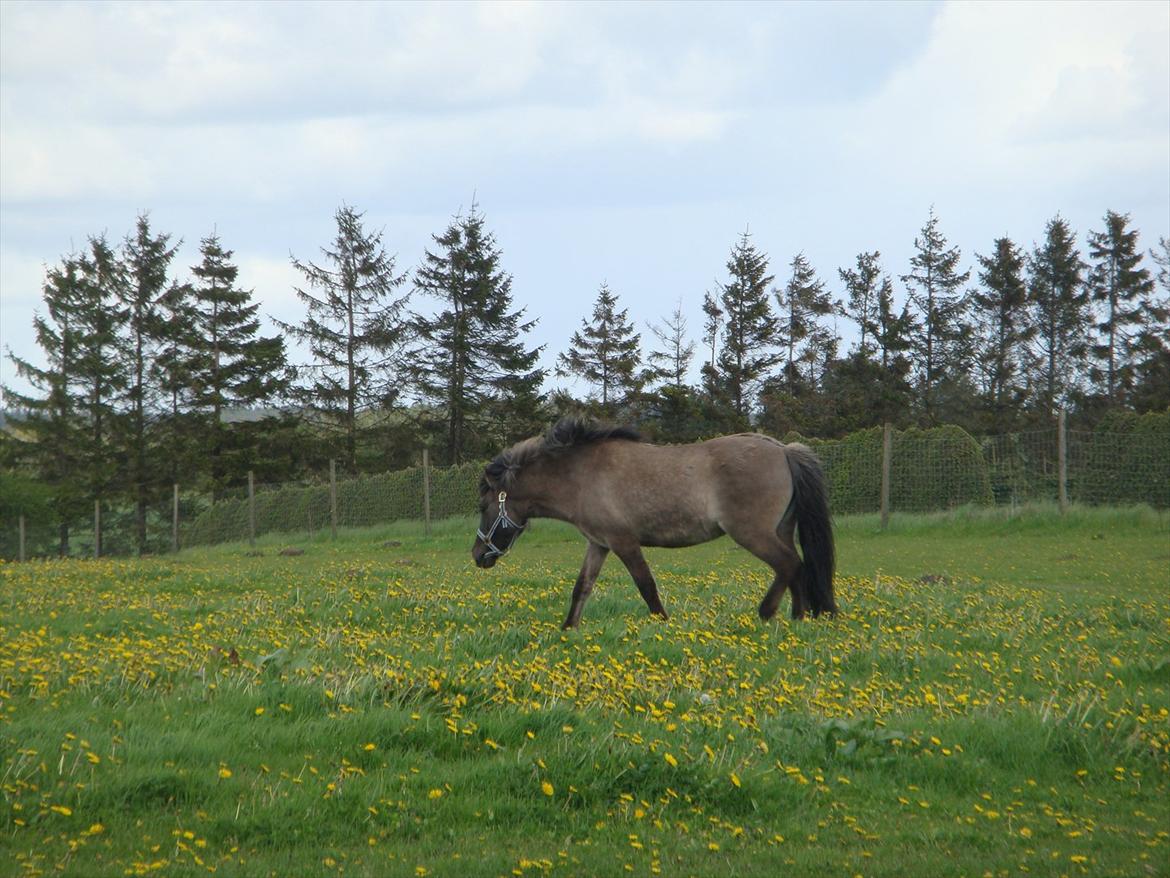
810, 499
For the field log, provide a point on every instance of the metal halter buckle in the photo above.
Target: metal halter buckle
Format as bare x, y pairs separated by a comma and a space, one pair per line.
501, 519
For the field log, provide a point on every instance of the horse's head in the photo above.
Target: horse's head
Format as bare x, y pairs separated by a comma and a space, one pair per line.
501, 518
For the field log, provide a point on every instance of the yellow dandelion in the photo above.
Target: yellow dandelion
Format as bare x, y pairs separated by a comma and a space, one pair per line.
259, 711
93, 758
435, 794
369, 747
735, 778
1025, 832
224, 772
62, 810
670, 760
546, 788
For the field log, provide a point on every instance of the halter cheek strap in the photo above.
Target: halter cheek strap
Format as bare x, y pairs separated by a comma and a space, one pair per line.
502, 519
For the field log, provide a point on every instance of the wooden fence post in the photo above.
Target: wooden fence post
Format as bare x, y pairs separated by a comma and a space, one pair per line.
97, 528
251, 508
175, 520
22, 536
426, 492
333, 498
887, 451
1061, 463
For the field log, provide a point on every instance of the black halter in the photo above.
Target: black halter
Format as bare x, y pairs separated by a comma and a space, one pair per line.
505, 521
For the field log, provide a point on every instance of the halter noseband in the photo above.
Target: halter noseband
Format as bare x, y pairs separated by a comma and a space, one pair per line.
501, 519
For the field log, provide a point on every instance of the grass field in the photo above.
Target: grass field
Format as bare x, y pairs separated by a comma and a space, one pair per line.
993, 700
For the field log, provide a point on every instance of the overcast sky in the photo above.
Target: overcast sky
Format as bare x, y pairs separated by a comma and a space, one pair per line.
619, 142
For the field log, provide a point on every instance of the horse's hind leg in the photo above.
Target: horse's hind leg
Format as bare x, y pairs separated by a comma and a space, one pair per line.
775, 548
632, 557
594, 557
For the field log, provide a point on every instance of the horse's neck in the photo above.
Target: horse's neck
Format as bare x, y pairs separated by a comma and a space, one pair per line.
551, 487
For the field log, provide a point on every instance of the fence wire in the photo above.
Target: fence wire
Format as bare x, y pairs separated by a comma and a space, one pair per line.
933, 469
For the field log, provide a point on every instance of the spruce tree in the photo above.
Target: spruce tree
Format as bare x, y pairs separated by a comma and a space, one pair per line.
177, 343
1151, 391
672, 360
50, 417
749, 331
863, 390
355, 329
605, 353
231, 364
101, 366
941, 343
1161, 257
1123, 290
861, 306
712, 320
802, 303
1059, 311
1000, 310
676, 410
472, 365
147, 258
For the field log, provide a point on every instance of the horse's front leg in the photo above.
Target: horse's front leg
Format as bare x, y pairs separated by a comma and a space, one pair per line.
632, 557
594, 557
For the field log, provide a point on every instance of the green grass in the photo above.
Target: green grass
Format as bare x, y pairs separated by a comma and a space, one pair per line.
994, 698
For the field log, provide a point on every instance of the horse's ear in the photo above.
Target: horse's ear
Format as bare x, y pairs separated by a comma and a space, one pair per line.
494, 475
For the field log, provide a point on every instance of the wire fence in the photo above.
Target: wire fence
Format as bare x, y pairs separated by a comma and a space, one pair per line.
875, 470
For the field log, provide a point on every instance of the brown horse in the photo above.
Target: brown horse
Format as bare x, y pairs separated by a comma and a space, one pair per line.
623, 493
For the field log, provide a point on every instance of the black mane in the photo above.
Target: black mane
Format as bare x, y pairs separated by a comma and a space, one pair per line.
563, 436
573, 431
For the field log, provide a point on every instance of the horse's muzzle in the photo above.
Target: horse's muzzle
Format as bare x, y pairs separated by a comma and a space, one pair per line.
483, 559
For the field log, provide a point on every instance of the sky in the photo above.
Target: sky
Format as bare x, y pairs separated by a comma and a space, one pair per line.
626, 143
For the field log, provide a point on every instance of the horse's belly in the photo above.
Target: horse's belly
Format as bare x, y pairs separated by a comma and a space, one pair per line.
679, 532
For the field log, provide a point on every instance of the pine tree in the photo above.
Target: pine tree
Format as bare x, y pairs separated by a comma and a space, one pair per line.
101, 366
862, 307
355, 329
231, 366
472, 364
605, 352
51, 416
1059, 310
147, 259
672, 360
1000, 311
941, 342
749, 330
1123, 290
802, 302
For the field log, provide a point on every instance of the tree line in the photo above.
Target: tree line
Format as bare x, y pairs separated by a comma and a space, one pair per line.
149, 378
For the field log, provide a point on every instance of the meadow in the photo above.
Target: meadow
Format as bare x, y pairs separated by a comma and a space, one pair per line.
994, 699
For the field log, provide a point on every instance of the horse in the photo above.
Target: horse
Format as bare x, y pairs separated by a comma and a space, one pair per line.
623, 493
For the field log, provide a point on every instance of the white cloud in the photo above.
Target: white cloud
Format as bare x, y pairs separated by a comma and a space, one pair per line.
1006, 88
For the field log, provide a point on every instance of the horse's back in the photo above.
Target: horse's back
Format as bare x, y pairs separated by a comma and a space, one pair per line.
683, 494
